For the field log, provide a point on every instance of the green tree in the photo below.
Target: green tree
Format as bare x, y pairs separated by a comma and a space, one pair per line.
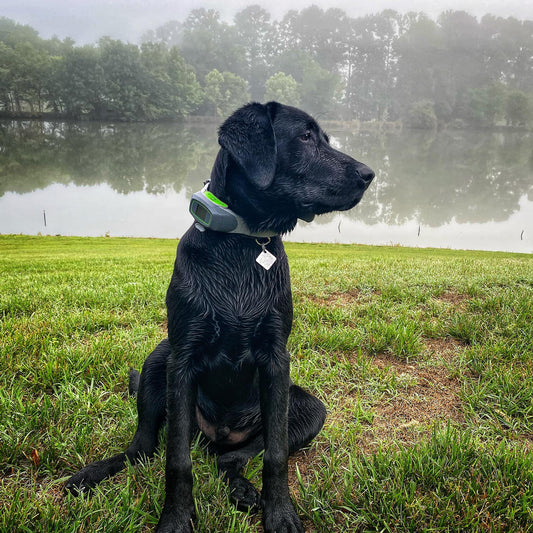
255, 37
422, 115
224, 92
518, 109
12, 33
321, 34
461, 65
25, 68
486, 105
173, 90
213, 92
186, 94
371, 70
8, 96
375, 67
126, 81
170, 34
419, 50
283, 88
80, 83
30, 76
318, 87
208, 43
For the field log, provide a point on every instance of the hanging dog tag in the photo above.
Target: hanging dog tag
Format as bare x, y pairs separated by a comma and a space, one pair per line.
265, 258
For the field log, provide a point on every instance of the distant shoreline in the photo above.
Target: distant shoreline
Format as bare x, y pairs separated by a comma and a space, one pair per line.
352, 125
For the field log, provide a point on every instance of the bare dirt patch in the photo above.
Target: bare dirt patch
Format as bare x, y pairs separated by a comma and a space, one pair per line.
342, 298
432, 395
452, 297
445, 349
303, 461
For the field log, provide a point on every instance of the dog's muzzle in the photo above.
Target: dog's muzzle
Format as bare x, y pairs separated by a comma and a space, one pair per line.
366, 174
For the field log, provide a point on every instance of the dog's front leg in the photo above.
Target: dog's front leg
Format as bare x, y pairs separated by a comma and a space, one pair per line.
279, 515
181, 399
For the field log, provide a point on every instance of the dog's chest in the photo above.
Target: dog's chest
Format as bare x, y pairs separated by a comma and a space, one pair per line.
229, 280
221, 299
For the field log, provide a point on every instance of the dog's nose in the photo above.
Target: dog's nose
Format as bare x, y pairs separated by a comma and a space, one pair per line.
366, 173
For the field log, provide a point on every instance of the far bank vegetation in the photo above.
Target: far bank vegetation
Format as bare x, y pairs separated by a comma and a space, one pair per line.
388, 68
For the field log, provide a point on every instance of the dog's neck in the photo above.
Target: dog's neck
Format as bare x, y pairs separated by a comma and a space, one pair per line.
211, 209
224, 176
217, 181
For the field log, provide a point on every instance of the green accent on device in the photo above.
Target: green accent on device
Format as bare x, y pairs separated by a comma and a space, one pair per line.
213, 198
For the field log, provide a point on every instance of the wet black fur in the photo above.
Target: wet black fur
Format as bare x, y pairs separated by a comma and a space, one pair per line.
225, 358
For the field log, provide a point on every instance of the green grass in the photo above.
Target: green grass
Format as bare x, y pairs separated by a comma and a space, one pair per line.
424, 359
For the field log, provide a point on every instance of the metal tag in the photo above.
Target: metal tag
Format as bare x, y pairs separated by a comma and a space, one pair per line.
266, 259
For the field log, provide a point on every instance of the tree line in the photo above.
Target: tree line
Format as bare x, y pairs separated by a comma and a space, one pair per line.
387, 66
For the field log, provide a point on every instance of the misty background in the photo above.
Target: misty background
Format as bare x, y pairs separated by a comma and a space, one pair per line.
86, 21
455, 69
109, 112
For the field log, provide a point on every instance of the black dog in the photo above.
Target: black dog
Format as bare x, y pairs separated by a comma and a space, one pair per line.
224, 369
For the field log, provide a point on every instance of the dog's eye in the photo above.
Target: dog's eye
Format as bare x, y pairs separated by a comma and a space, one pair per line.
306, 136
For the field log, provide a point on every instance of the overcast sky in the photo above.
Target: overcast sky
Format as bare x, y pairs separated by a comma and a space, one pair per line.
86, 21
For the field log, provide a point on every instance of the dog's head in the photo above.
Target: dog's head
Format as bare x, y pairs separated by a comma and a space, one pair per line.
276, 165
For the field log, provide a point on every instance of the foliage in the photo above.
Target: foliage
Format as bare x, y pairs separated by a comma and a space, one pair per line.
282, 88
224, 92
207, 43
422, 115
373, 67
486, 105
317, 86
80, 83
257, 41
109, 80
518, 108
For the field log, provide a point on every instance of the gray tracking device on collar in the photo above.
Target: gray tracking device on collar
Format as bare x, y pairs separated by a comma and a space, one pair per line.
212, 213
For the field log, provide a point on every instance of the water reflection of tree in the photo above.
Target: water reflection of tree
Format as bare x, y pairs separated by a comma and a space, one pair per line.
431, 177
129, 157
436, 177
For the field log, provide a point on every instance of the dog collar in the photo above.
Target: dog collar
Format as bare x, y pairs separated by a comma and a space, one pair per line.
210, 212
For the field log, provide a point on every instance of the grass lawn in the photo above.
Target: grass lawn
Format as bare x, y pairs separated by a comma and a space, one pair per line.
424, 359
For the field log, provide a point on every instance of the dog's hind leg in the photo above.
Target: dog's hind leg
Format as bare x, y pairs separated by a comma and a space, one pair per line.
242, 493
306, 418
151, 409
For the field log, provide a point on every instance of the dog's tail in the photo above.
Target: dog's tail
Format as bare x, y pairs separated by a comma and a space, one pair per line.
133, 386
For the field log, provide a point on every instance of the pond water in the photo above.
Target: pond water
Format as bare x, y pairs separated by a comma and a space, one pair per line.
453, 189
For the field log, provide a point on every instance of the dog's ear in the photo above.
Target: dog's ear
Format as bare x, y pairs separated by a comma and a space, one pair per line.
249, 138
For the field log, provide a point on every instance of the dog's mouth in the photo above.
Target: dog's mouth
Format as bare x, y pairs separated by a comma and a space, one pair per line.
351, 204
308, 211
307, 217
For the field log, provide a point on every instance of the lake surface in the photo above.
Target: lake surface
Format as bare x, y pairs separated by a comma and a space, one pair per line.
453, 189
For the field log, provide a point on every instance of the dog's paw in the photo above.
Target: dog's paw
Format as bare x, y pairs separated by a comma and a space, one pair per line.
80, 483
281, 519
174, 523
244, 495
